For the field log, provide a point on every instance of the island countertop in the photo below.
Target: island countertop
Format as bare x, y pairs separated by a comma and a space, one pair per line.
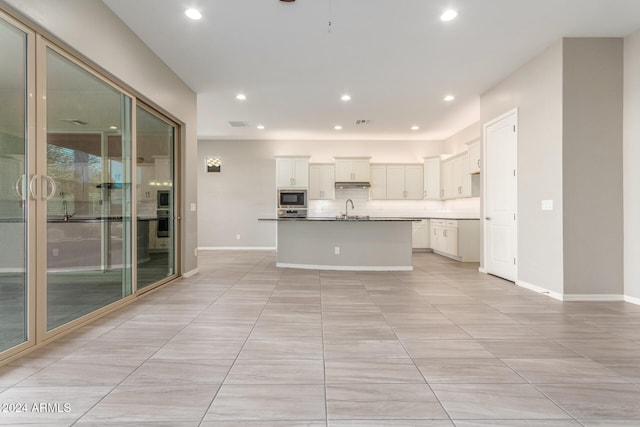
364, 218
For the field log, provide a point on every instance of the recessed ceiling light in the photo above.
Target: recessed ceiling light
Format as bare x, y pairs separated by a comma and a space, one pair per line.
448, 15
415, 127
337, 127
193, 14
449, 98
260, 127
346, 97
241, 96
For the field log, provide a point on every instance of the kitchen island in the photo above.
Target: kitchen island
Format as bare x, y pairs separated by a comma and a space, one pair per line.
355, 243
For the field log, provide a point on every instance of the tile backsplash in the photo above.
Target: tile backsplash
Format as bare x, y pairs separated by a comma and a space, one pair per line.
459, 208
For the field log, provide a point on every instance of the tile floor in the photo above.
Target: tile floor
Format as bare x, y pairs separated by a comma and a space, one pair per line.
244, 343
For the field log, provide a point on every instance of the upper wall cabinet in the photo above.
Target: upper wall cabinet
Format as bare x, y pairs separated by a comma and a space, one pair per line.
405, 182
474, 157
378, 190
432, 189
322, 182
352, 169
456, 179
292, 172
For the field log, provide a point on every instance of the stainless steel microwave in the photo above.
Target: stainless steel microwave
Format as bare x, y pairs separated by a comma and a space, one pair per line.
292, 199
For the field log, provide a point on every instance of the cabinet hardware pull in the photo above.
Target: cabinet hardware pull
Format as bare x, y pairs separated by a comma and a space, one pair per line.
488, 218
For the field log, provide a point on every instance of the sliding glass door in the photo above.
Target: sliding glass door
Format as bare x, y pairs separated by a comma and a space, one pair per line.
14, 179
87, 188
84, 197
155, 170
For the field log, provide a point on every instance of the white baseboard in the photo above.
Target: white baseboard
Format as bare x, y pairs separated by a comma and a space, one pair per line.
632, 300
540, 290
482, 270
347, 267
191, 273
236, 248
593, 297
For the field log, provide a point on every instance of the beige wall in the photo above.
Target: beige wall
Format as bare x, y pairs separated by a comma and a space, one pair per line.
91, 29
631, 159
459, 141
592, 165
536, 90
230, 202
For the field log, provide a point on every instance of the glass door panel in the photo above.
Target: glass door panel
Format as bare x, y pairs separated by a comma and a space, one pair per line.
155, 198
88, 192
13, 186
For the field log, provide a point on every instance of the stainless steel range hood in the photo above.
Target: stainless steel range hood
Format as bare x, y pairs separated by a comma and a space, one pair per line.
349, 185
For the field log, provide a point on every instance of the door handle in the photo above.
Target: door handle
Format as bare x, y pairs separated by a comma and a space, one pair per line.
53, 188
19, 187
487, 218
32, 187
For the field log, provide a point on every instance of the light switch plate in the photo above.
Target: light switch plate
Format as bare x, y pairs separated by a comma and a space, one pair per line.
193, 207
547, 205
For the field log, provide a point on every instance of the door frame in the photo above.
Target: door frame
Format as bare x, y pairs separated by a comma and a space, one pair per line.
513, 112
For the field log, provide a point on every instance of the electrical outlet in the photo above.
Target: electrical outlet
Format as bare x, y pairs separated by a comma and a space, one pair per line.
237, 237
336, 250
547, 205
55, 252
193, 207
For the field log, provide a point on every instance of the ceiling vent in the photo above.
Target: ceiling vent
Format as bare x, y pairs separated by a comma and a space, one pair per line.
362, 122
238, 124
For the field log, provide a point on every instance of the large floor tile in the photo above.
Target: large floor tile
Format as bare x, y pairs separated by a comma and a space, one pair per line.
369, 349
189, 349
390, 423
310, 371
79, 373
268, 402
67, 404
180, 372
153, 402
496, 401
564, 371
450, 349
467, 371
383, 401
295, 348
596, 401
527, 349
371, 371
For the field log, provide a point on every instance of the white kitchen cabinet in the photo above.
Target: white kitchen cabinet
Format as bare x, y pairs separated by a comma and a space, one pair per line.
322, 182
420, 234
474, 157
457, 239
378, 189
352, 169
162, 171
292, 172
145, 176
456, 179
432, 178
405, 182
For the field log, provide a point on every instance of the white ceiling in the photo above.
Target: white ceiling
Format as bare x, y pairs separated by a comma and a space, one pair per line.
394, 57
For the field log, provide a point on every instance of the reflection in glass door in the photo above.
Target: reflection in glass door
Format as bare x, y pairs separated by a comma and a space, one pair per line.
87, 185
155, 162
13, 186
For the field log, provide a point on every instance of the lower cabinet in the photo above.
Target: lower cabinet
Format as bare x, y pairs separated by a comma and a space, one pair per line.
457, 239
420, 233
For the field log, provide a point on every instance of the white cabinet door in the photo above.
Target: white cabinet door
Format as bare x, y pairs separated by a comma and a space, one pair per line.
474, 157
322, 182
432, 178
420, 234
414, 182
451, 238
395, 182
447, 180
352, 170
456, 172
378, 190
465, 177
292, 172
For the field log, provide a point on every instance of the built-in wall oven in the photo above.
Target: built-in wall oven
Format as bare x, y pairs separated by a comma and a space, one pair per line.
292, 203
164, 204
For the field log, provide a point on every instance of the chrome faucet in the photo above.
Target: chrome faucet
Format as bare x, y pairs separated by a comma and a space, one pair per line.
346, 207
65, 211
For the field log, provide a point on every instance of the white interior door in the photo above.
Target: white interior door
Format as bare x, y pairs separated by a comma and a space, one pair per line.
500, 203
